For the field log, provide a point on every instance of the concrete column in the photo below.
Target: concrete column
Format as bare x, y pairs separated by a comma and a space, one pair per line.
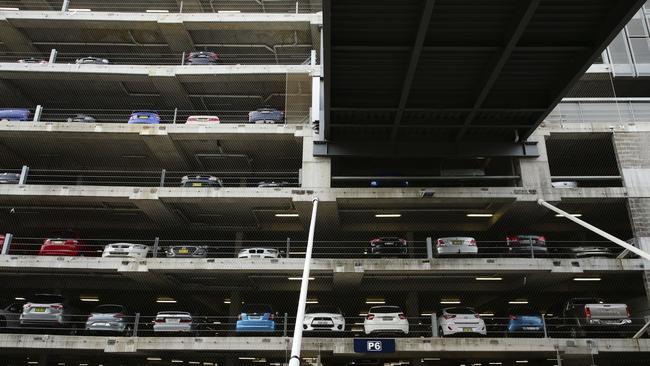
535, 172
239, 239
235, 305
412, 307
410, 242
316, 171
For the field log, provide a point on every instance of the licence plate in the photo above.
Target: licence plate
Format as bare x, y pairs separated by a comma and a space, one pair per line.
387, 318
183, 251
102, 324
457, 242
143, 117
531, 328
322, 323
197, 184
256, 256
58, 242
172, 320
467, 329
39, 310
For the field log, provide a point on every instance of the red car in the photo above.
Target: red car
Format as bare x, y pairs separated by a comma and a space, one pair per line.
64, 243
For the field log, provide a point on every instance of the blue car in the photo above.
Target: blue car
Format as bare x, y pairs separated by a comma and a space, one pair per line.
257, 318
15, 114
266, 115
524, 321
145, 118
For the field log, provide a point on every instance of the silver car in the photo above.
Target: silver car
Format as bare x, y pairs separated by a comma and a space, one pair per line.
49, 311
126, 250
456, 245
173, 322
9, 178
258, 253
110, 319
590, 251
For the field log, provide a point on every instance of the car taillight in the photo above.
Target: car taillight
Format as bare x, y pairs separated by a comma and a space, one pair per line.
186, 320
629, 311
27, 305
213, 119
159, 320
192, 119
513, 317
56, 307
119, 316
477, 316
541, 238
374, 242
587, 312
449, 316
402, 316
440, 243
271, 316
472, 242
370, 316
71, 242
512, 238
240, 317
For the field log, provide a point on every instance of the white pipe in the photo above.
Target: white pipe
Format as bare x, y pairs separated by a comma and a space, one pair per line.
596, 230
300, 315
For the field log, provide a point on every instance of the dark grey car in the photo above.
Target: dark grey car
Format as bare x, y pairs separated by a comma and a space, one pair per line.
92, 60
82, 118
9, 178
266, 115
186, 251
110, 319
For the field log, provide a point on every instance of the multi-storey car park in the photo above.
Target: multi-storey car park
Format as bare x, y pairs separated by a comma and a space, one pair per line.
409, 119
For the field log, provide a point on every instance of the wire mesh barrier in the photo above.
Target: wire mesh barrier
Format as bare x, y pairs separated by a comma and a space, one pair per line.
69, 243
171, 6
602, 110
32, 318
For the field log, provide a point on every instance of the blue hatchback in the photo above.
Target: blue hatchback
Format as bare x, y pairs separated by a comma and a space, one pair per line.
15, 114
144, 117
524, 320
256, 318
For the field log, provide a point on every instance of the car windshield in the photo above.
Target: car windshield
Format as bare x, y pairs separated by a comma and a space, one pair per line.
323, 309
460, 311
523, 311
256, 309
47, 299
385, 309
108, 309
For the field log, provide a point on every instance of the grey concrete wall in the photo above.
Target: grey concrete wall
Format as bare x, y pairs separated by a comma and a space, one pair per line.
535, 172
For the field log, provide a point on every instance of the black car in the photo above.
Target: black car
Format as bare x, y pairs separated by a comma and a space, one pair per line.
82, 118
527, 245
9, 178
201, 181
186, 251
32, 60
202, 58
266, 115
388, 245
92, 61
272, 184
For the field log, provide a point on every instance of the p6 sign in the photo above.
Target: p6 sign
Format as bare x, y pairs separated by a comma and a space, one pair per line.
374, 345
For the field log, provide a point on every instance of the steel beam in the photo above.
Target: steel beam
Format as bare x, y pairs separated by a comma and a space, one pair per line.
424, 149
522, 18
427, 12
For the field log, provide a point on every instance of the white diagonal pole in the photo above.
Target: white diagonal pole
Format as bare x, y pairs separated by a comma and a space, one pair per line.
596, 230
304, 285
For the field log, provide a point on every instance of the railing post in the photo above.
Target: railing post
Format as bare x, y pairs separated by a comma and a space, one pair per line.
136, 324
288, 246
429, 248
175, 115
6, 244
53, 55
23, 175
156, 242
544, 325
180, 7
183, 59
286, 319
434, 326
38, 112
163, 173
66, 5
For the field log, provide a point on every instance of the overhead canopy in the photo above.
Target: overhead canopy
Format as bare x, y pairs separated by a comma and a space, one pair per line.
457, 70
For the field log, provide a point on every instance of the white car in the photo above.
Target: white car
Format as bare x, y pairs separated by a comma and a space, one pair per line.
126, 250
385, 319
193, 120
565, 184
456, 245
173, 322
323, 318
460, 320
258, 253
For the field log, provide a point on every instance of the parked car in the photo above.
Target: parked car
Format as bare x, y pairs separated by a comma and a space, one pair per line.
144, 117
202, 58
387, 245
256, 318
82, 118
460, 320
10, 316
266, 115
385, 319
33, 60
64, 243
323, 318
173, 322
186, 251
92, 60
110, 318
258, 253
565, 184
15, 114
195, 120
587, 316
526, 245
9, 178
49, 311
126, 250
273, 184
592, 251
456, 245
524, 320
201, 181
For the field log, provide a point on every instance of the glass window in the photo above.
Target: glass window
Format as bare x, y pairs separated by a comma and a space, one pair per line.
637, 26
620, 54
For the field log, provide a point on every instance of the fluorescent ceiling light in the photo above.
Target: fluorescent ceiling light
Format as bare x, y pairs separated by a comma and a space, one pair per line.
299, 278
375, 301
194, 363
9, 9
226, 301
208, 363
587, 279
312, 301
486, 314
489, 278
480, 215
450, 301
363, 314
82, 10
154, 359
431, 359
518, 302
157, 11
286, 215
19, 298
247, 358
177, 361
387, 215
263, 360
89, 298
496, 363
574, 215
166, 300
426, 314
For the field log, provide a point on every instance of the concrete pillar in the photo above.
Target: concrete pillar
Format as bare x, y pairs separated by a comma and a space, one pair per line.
410, 242
316, 171
535, 172
412, 307
235, 305
239, 240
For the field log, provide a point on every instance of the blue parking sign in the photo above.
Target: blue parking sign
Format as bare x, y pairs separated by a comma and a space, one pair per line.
374, 345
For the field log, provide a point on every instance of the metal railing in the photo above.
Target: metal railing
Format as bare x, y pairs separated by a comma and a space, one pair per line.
601, 110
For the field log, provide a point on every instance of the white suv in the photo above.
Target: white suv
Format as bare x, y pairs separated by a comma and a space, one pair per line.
385, 319
460, 320
258, 253
323, 318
